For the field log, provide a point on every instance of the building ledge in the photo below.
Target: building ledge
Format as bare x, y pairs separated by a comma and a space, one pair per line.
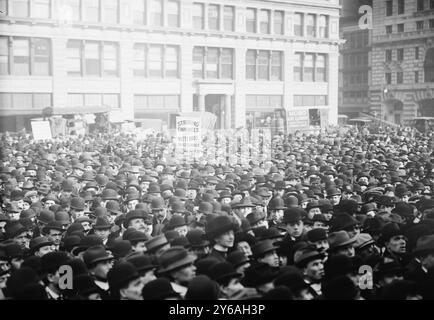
403, 36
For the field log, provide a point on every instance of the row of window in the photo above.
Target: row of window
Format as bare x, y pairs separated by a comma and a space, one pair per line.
310, 100
355, 78
264, 101
355, 40
352, 97
399, 26
310, 67
167, 13
93, 99
425, 5
389, 7
264, 65
356, 60
25, 101
420, 25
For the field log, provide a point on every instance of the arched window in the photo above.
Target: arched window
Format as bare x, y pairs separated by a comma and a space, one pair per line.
429, 66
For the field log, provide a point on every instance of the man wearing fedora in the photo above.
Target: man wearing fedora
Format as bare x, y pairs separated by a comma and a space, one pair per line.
50, 265
99, 262
341, 243
264, 251
125, 282
176, 264
276, 208
102, 228
311, 264
220, 231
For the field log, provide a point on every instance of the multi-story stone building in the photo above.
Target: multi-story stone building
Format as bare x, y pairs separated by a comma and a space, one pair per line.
241, 60
402, 59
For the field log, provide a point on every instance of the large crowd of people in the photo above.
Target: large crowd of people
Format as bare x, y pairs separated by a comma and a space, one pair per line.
332, 216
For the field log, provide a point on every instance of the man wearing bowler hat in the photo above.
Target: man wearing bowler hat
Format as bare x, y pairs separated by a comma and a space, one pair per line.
99, 262
265, 251
177, 265
311, 263
293, 220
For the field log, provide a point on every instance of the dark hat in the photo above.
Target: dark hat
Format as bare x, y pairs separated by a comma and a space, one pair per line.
109, 194
363, 240
390, 267
403, 209
157, 204
156, 243
389, 230
339, 288
262, 247
87, 242
112, 207
120, 248
317, 234
218, 226
135, 214
121, 274
342, 221
62, 217
134, 236
46, 216
20, 281
181, 241
101, 223
12, 250
96, 254
29, 213
159, 289
70, 243
175, 222
54, 225
338, 265
196, 238
425, 244
268, 233
175, 258
205, 208
292, 279
78, 203
386, 201
52, 261
13, 229
237, 258
141, 262
39, 242
255, 217
333, 192
223, 271
245, 202
307, 255
292, 215
339, 239
202, 288
258, 274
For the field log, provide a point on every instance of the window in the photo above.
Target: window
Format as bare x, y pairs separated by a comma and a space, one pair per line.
73, 10
401, 27
310, 25
213, 17
198, 16
92, 58
320, 74
263, 65
20, 8
227, 63
401, 6
264, 20
400, 54
276, 66
4, 56
212, 63
323, 29
92, 99
416, 53
41, 58
251, 20
388, 29
431, 4
388, 55
298, 24
139, 11
139, 63
298, 67
111, 100
419, 25
171, 62
110, 11
41, 9
278, 22
388, 78
173, 14
264, 102
431, 24
229, 18
310, 100
198, 62
74, 58
429, 65
308, 67
399, 77
3, 8
110, 62
420, 5
251, 65
91, 10
21, 54
389, 8
155, 61
148, 103
416, 76
156, 10
22, 100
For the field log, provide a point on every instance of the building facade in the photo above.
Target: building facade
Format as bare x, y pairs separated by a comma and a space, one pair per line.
245, 61
355, 60
402, 60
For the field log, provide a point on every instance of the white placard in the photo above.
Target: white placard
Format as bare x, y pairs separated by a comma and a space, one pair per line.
188, 139
41, 130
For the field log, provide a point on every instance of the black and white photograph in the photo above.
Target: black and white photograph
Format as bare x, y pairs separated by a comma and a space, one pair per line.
216, 150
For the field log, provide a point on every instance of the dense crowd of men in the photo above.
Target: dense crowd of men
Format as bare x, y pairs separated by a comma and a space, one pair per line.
331, 216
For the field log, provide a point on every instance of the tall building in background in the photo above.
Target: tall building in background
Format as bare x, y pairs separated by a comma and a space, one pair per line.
402, 59
245, 61
355, 60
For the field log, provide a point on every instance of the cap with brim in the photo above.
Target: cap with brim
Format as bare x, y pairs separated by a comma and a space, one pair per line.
307, 257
